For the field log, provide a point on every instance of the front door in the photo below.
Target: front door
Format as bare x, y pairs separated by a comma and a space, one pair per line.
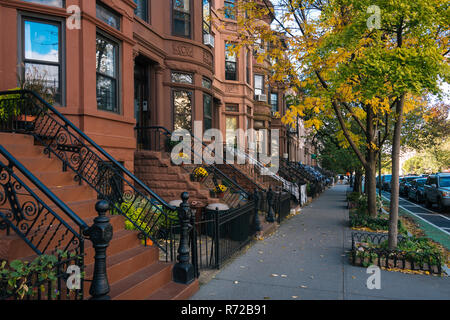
141, 99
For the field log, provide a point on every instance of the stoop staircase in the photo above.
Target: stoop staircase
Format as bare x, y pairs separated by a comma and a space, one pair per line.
134, 270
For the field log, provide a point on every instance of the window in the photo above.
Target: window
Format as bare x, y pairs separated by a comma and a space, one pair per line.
206, 83
230, 63
181, 18
41, 54
230, 9
274, 101
232, 107
206, 16
53, 3
259, 84
248, 75
142, 9
182, 77
182, 107
107, 74
207, 111
231, 127
108, 16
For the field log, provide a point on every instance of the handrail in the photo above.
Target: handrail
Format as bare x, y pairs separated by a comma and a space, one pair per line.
48, 193
128, 196
292, 188
95, 145
12, 184
169, 133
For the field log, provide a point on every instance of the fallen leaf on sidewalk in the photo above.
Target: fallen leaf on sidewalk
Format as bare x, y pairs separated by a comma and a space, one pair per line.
294, 297
353, 277
266, 298
284, 276
236, 282
274, 275
304, 287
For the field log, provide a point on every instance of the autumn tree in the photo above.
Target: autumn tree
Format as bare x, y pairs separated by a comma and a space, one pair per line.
370, 61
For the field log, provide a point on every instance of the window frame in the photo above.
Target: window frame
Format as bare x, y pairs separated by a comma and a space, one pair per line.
263, 83
172, 10
45, 4
112, 12
203, 18
210, 118
226, 4
147, 11
277, 102
45, 19
118, 69
236, 75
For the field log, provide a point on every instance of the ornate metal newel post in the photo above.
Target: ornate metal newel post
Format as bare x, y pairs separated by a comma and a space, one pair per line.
100, 233
270, 213
256, 198
183, 271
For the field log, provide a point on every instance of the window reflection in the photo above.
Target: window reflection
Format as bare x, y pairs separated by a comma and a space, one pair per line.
182, 103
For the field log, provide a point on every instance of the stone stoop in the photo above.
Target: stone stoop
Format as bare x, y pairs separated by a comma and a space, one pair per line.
135, 272
168, 180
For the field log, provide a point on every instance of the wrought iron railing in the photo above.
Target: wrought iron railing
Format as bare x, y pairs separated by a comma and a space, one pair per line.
27, 113
262, 170
282, 206
41, 222
157, 138
367, 250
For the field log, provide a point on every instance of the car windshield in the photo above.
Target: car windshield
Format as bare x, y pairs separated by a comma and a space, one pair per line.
387, 178
444, 182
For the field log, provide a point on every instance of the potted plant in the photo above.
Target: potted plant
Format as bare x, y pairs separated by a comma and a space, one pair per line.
199, 174
219, 191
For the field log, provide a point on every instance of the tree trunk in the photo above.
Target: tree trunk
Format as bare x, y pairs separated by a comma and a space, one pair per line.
371, 188
393, 208
357, 186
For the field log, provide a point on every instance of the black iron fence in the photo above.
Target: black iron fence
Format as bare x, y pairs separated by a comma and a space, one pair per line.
282, 206
367, 250
217, 236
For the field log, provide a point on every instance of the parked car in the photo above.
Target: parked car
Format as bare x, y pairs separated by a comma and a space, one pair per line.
437, 191
386, 182
416, 189
405, 184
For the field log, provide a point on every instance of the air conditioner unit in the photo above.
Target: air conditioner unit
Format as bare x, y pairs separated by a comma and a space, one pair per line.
261, 97
208, 39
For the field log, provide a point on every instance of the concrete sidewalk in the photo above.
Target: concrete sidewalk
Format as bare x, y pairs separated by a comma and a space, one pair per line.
306, 259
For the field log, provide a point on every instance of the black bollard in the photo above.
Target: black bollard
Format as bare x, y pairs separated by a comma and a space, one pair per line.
183, 271
100, 233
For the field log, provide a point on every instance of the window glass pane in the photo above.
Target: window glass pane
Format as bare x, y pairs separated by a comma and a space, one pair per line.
47, 74
229, 54
53, 3
180, 77
230, 11
181, 5
182, 102
142, 9
206, 16
107, 83
108, 16
106, 94
181, 23
274, 101
232, 107
231, 127
106, 57
259, 84
206, 83
207, 111
41, 41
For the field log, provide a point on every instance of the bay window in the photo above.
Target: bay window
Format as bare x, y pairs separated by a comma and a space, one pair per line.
230, 63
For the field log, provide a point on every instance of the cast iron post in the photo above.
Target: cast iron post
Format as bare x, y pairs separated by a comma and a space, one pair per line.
100, 233
183, 271
270, 216
256, 199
